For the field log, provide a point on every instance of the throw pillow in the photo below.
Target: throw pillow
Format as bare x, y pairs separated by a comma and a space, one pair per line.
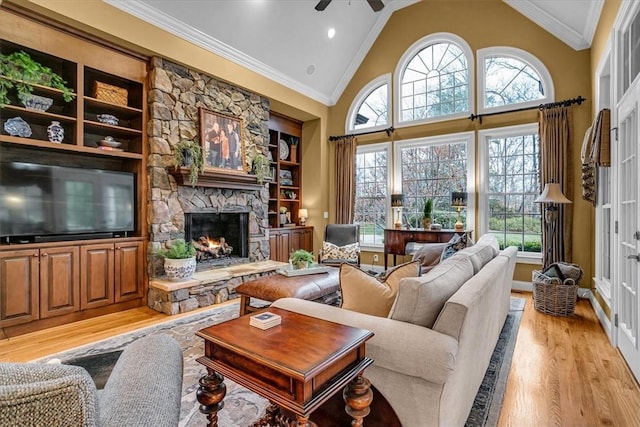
366, 294
347, 252
429, 255
420, 300
456, 243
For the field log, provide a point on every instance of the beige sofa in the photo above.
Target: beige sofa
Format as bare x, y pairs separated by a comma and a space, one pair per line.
431, 353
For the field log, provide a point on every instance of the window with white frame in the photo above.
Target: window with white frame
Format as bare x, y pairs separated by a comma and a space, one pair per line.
509, 184
433, 79
370, 108
508, 77
433, 168
372, 199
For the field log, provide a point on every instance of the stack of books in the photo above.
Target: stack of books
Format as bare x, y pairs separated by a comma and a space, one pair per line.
265, 320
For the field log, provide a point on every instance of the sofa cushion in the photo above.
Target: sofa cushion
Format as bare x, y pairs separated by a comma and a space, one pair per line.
334, 252
482, 252
421, 299
366, 294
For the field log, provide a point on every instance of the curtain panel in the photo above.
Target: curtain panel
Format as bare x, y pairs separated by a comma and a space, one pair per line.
345, 179
554, 128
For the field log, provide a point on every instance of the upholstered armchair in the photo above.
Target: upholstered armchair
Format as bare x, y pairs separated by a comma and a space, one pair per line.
341, 244
144, 389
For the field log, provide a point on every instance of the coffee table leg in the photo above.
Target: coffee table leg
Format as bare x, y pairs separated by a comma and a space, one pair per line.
210, 394
358, 396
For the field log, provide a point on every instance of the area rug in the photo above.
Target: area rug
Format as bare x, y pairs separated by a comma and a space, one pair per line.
241, 406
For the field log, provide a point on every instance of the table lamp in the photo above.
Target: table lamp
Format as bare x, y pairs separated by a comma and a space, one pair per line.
396, 204
459, 201
303, 215
552, 196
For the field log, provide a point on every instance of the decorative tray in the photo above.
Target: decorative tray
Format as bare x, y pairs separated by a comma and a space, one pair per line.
290, 272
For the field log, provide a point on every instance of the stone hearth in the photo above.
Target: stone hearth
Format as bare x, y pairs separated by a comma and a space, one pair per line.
206, 287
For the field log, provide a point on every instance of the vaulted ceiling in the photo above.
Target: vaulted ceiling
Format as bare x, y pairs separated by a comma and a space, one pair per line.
287, 40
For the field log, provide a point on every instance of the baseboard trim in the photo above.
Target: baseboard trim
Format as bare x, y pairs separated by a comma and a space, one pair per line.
602, 317
521, 286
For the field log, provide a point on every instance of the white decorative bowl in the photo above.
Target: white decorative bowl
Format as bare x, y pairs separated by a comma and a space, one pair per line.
178, 270
35, 102
108, 119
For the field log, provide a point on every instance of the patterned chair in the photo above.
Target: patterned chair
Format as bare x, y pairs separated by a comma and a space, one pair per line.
341, 244
144, 389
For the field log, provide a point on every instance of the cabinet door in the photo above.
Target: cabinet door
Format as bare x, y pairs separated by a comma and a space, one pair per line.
306, 240
129, 267
19, 294
273, 246
296, 240
59, 281
284, 247
96, 276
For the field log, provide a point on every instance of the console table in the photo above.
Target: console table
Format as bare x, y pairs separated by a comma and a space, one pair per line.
396, 239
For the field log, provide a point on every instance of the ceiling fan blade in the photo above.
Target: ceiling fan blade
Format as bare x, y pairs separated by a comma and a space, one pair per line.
322, 5
376, 5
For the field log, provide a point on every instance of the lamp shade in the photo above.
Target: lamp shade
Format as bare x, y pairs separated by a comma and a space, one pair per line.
552, 194
458, 199
302, 213
397, 200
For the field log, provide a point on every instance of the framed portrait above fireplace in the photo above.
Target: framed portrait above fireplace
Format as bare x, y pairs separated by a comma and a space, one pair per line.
222, 140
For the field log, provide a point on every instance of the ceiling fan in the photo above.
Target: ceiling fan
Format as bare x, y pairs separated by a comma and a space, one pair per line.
376, 5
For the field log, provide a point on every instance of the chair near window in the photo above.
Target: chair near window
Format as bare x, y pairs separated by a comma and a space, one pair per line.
341, 245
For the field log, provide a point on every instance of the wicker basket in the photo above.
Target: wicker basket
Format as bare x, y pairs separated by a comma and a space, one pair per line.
553, 296
109, 93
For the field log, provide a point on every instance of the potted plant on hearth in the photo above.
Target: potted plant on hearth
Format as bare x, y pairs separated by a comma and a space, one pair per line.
179, 260
426, 218
189, 154
301, 259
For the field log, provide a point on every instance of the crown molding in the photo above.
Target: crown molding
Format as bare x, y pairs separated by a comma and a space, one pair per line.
567, 35
213, 45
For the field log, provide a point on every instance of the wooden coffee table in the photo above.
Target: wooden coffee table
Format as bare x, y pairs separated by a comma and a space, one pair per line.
298, 366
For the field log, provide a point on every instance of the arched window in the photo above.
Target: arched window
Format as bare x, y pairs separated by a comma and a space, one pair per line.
370, 108
509, 76
433, 80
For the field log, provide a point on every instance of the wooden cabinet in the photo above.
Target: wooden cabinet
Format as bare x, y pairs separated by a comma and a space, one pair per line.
128, 273
285, 139
19, 287
283, 241
97, 275
59, 281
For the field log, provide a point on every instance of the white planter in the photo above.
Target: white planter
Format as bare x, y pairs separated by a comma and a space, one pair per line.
178, 270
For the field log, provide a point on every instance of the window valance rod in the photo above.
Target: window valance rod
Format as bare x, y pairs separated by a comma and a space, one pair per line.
388, 130
565, 103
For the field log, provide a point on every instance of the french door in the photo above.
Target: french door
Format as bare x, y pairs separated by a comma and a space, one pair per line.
627, 297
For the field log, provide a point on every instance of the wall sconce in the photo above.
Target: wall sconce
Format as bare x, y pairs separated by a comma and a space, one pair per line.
552, 196
396, 204
459, 201
303, 214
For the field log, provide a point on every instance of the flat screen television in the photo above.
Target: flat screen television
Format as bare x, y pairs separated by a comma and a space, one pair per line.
48, 203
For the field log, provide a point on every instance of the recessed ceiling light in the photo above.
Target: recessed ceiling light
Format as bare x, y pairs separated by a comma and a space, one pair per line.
331, 33
311, 69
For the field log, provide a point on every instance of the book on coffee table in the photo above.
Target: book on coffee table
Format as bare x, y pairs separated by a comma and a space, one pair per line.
265, 320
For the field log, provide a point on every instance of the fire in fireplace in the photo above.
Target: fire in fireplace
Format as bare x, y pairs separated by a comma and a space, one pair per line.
220, 238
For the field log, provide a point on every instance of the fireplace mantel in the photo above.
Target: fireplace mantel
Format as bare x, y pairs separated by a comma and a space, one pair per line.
214, 179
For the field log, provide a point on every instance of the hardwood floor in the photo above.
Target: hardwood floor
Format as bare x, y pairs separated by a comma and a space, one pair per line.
564, 371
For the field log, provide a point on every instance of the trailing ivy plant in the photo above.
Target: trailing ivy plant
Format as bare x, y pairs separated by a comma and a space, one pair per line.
189, 153
18, 70
260, 166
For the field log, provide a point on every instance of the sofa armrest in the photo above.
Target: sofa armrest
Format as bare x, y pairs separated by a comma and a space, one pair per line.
145, 386
397, 346
46, 394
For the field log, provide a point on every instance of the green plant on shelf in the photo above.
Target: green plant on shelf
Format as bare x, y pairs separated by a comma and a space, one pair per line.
189, 154
18, 70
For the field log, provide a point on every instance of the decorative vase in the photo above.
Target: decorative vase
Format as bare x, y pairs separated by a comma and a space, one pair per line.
426, 223
283, 218
178, 270
293, 153
55, 132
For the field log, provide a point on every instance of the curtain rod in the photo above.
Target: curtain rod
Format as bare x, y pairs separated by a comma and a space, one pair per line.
388, 130
565, 103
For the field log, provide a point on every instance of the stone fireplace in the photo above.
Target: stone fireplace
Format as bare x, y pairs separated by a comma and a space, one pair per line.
220, 238
229, 206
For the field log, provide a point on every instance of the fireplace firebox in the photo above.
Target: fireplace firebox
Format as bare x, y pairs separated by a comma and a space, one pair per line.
220, 238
